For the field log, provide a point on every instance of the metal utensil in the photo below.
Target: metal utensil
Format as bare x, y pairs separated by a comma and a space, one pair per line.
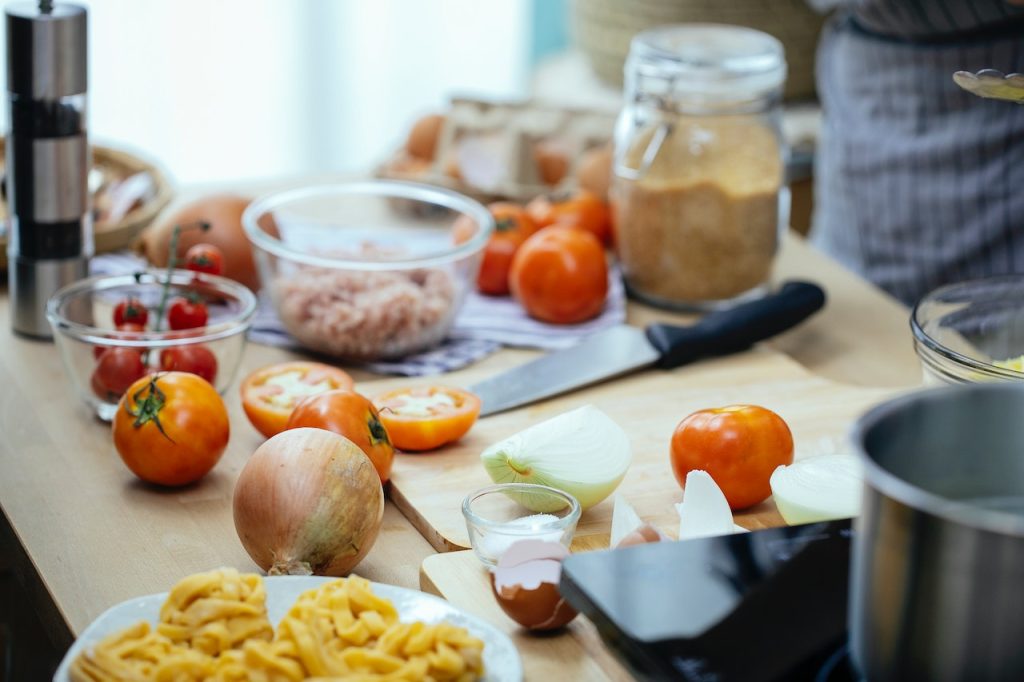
992, 84
624, 349
938, 559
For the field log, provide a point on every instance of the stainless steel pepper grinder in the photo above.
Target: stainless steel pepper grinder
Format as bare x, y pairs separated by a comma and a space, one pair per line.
48, 162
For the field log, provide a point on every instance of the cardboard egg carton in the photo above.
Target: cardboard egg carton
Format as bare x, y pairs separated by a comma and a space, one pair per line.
499, 150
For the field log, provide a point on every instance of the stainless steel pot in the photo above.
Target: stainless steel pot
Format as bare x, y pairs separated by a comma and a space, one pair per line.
937, 581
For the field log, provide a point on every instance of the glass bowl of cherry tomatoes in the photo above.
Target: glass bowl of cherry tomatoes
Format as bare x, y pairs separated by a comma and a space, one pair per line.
115, 329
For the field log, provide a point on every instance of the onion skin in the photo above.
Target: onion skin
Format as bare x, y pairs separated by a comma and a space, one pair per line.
308, 502
224, 213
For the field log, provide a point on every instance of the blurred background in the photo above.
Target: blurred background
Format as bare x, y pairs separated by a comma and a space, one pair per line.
240, 90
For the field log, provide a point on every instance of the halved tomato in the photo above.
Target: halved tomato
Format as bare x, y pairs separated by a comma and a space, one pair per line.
269, 395
426, 418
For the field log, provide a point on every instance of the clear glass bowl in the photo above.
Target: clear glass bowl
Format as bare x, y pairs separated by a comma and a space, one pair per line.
367, 270
971, 331
81, 315
495, 519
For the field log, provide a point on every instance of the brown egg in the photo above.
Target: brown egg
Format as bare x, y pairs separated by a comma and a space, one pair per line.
552, 162
641, 536
224, 214
525, 584
422, 141
407, 166
594, 171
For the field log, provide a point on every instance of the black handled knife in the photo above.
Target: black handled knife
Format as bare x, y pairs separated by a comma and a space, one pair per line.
623, 349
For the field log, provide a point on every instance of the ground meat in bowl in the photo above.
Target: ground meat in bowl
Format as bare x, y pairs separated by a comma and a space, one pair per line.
366, 314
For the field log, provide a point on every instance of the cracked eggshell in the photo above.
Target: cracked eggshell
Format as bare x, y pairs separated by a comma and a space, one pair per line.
525, 585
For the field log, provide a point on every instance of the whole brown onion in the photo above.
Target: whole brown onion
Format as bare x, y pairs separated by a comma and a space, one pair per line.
224, 213
308, 502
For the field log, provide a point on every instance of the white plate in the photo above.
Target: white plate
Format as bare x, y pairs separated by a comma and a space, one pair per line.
501, 660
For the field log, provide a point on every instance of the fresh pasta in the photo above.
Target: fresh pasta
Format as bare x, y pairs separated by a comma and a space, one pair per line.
214, 627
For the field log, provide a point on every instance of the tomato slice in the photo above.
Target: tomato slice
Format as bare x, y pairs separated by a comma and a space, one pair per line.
426, 418
270, 394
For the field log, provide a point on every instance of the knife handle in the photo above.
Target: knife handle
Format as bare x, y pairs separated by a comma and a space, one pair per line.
735, 329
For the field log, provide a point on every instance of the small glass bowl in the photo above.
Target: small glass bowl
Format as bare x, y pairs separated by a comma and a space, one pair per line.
81, 316
495, 518
367, 270
971, 331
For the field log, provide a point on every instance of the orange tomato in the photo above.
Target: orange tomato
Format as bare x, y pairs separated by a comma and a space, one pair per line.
739, 446
351, 415
560, 275
270, 394
426, 418
511, 228
583, 210
171, 428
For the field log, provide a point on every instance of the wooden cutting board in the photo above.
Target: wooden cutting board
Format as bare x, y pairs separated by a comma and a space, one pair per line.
429, 488
574, 653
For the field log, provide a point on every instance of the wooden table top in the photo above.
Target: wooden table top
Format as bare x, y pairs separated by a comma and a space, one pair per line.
84, 534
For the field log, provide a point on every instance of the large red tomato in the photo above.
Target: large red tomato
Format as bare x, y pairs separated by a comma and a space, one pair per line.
171, 428
560, 275
351, 415
739, 446
583, 210
511, 228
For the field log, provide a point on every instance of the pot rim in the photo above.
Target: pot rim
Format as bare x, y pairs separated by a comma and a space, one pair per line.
889, 484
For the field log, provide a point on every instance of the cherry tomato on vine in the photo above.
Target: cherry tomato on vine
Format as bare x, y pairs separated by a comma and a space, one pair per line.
351, 415
185, 314
97, 351
426, 418
270, 394
116, 370
739, 446
205, 258
130, 310
194, 358
171, 428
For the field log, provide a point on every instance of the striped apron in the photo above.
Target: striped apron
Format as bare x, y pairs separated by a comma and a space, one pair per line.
918, 183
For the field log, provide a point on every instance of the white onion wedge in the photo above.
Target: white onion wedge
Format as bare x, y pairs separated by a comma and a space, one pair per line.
582, 452
818, 488
704, 511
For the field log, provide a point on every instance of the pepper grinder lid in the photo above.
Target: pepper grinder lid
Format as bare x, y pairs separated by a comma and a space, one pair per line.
46, 50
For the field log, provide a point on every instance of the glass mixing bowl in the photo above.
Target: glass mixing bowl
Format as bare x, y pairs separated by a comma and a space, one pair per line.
367, 270
81, 316
971, 331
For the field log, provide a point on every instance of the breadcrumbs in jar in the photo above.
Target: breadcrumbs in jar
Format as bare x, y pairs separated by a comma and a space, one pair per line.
697, 186
702, 223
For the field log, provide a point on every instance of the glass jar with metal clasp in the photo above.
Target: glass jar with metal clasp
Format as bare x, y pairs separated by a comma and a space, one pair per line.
698, 192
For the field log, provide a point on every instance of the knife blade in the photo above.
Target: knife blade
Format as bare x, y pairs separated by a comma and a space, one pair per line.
623, 349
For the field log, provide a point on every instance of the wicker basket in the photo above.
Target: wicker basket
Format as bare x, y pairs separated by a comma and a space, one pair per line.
113, 164
603, 29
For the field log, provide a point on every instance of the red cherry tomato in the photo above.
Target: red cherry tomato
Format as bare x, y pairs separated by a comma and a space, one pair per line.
205, 258
194, 358
739, 446
116, 370
97, 351
184, 314
130, 310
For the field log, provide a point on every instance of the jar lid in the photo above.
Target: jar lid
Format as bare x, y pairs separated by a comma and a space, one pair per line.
709, 58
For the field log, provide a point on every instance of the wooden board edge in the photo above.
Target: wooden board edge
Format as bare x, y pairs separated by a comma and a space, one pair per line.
438, 541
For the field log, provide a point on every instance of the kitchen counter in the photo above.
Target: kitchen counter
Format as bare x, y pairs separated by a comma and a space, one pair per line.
81, 533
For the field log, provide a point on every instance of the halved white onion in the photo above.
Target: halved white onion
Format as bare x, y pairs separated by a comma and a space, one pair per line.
819, 488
